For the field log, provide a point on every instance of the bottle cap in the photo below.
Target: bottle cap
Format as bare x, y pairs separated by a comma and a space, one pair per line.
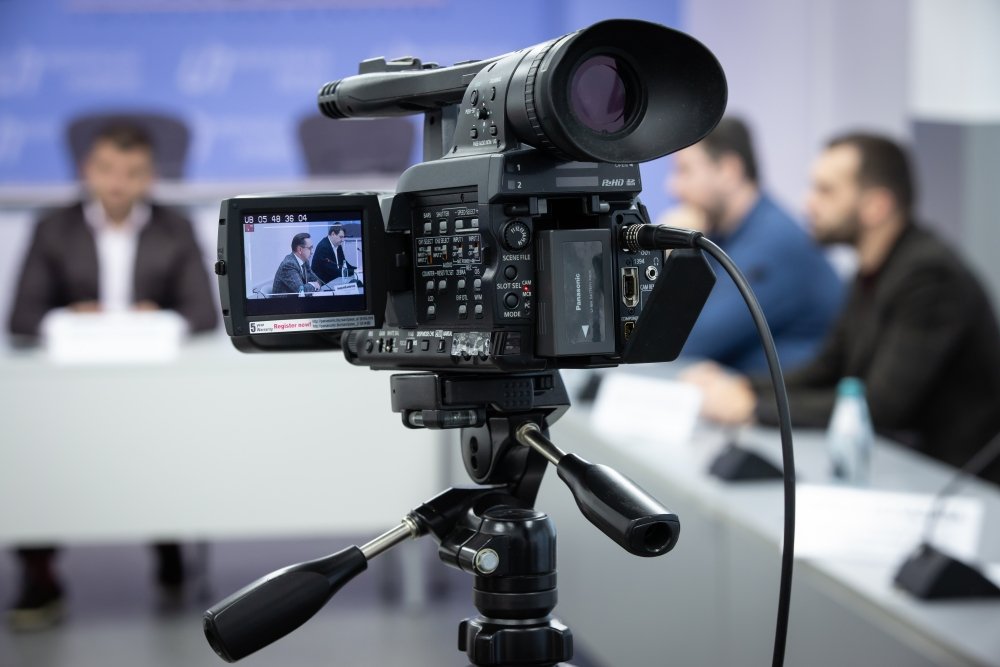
851, 387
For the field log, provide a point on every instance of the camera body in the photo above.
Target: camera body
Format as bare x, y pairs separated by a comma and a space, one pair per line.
506, 252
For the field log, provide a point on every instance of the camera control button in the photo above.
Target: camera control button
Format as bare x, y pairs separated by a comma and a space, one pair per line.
431, 310
425, 345
511, 301
493, 130
463, 311
510, 272
474, 99
477, 283
442, 286
441, 345
493, 93
475, 223
369, 345
478, 310
428, 228
443, 226
409, 345
473, 133
516, 236
461, 283
430, 285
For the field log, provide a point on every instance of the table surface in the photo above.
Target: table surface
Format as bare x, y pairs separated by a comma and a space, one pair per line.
216, 444
970, 631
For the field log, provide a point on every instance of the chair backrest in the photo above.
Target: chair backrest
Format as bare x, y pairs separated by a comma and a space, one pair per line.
356, 146
170, 136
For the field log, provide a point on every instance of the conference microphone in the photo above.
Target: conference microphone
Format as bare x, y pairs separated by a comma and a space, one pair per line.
931, 574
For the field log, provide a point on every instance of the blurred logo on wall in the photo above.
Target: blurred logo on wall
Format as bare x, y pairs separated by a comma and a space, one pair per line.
17, 134
80, 69
240, 5
212, 69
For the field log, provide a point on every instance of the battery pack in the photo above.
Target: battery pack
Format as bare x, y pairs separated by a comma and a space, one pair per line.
575, 293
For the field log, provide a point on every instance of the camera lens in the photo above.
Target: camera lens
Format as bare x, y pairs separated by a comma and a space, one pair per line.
599, 96
618, 91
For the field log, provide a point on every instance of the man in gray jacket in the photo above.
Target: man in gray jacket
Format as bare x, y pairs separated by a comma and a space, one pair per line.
294, 272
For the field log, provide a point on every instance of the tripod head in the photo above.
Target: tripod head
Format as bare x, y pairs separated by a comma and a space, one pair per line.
491, 531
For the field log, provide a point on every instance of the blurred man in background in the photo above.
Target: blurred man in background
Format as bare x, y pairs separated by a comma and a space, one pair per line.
718, 184
111, 251
917, 328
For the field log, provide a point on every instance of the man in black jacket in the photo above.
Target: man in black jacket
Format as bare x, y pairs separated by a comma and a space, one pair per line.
918, 327
112, 251
329, 261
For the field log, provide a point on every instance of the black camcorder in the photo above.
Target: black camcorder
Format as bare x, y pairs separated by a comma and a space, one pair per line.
518, 247
506, 249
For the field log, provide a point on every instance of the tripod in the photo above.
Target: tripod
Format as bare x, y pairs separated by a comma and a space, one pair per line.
491, 531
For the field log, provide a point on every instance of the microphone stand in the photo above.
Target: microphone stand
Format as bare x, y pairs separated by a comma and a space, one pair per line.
737, 463
931, 574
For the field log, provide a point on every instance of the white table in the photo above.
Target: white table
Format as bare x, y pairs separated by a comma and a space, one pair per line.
217, 445
712, 600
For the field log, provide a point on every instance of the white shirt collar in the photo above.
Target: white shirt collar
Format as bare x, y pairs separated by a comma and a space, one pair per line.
97, 217
116, 252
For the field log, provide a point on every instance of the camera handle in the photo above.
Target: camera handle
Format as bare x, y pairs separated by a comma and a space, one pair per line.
491, 531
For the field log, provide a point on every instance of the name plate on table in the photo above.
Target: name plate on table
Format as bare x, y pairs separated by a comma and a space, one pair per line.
113, 338
881, 527
651, 409
346, 288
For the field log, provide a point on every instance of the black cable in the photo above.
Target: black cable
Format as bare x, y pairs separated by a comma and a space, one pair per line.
662, 237
787, 455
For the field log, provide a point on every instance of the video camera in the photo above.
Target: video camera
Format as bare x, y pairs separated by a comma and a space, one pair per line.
517, 248
507, 249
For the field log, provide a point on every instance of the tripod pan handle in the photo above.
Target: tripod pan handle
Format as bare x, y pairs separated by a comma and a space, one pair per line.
274, 605
619, 508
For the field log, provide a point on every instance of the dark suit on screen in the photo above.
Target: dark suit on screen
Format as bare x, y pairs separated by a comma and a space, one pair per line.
61, 269
328, 261
291, 275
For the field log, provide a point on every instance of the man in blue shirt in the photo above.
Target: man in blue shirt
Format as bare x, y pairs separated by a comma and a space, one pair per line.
717, 183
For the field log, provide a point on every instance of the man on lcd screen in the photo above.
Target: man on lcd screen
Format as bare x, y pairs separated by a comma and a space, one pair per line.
330, 262
294, 274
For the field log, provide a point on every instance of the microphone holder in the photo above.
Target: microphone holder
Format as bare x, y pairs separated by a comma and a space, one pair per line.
931, 574
491, 531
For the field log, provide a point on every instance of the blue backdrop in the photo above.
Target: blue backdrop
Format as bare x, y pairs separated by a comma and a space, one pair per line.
241, 74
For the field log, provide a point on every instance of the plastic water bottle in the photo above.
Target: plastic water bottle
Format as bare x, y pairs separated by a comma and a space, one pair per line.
850, 436
302, 290
343, 271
